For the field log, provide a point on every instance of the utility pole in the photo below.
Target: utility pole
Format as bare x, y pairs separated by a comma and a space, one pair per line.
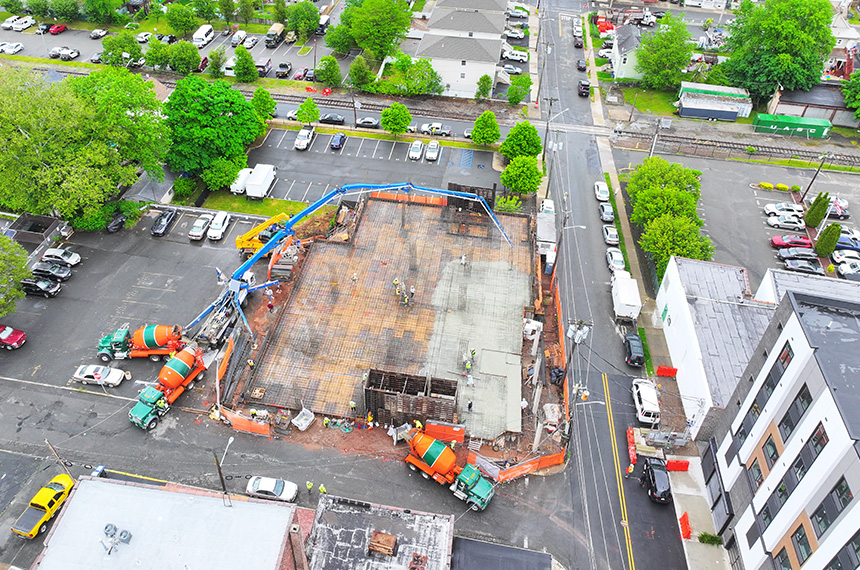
548, 122
633, 108
823, 157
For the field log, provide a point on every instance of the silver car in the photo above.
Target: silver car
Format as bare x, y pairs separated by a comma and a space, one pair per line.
101, 375
433, 150
269, 488
606, 212
615, 259
416, 150
610, 235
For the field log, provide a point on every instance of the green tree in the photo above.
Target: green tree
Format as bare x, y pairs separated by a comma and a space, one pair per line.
379, 26
246, 10
359, 74
308, 112
246, 71
279, 11
485, 86
827, 240
519, 88
303, 18
181, 19
656, 172
14, 6
13, 268
422, 79
66, 10
851, 92
395, 119
158, 55
101, 11
654, 202
779, 44
40, 8
522, 175
522, 140
263, 104
486, 129
113, 48
184, 57
328, 71
223, 171
204, 9
208, 121
663, 53
217, 59
339, 39
817, 210
228, 10
667, 236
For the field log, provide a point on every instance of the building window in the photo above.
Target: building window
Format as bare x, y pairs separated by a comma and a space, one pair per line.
834, 565
765, 515
755, 474
795, 411
821, 520
799, 468
624, 60
782, 561
471, 34
801, 544
463, 62
819, 439
785, 356
842, 494
462, 76
741, 436
770, 452
782, 492
854, 545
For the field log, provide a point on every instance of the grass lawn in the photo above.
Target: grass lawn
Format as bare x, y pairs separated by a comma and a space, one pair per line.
604, 76
43, 60
305, 50
621, 244
649, 365
652, 102
269, 207
405, 137
851, 134
600, 62
418, 6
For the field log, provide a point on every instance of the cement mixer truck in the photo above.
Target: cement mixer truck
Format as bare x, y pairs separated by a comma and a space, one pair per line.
437, 461
176, 377
152, 341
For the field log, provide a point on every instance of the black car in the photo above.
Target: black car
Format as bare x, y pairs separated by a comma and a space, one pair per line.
655, 479
838, 212
43, 28
162, 223
44, 287
310, 75
581, 65
169, 39
584, 89
635, 352
159, 37
577, 42
117, 223
332, 119
796, 253
284, 69
52, 271
608, 44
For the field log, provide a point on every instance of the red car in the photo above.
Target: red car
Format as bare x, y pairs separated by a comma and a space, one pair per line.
790, 241
11, 338
57, 29
300, 74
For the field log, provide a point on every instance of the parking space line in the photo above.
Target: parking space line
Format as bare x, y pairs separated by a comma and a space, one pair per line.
358, 150
289, 190
153, 288
306, 191
390, 154
282, 138
375, 149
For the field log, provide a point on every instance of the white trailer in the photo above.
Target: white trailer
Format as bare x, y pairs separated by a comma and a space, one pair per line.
546, 234
625, 296
238, 186
260, 182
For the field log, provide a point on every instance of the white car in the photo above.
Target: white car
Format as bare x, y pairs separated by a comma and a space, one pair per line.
24, 23
610, 235
304, 139
646, 401
852, 266
842, 255
219, 226
143, 37
601, 191
14, 48
514, 34
433, 150
615, 259
514, 55
101, 375
68, 54
849, 233
62, 256
416, 150
786, 223
199, 227
783, 209
604, 53
293, 115
512, 69
98, 34
269, 488
9, 22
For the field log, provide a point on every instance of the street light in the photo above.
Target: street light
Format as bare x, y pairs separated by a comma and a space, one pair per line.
218, 465
823, 157
229, 441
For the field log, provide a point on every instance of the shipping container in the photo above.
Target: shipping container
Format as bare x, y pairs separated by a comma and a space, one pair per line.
792, 126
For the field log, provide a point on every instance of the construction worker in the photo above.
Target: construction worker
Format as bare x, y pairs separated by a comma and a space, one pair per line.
251, 364
171, 355
452, 445
310, 486
469, 406
325, 422
468, 365
629, 471
472, 353
322, 489
354, 277
406, 300
412, 291
396, 283
352, 406
463, 260
369, 418
418, 425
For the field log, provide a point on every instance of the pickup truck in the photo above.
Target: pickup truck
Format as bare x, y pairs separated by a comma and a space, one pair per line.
435, 129
43, 507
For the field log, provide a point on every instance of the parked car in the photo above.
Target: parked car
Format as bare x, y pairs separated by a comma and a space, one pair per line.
332, 119
269, 488
796, 253
162, 223
784, 209
98, 34
204, 63
581, 65
97, 57
416, 150
101, 375
601, 191
547, 206
136, 63
843, 255
655, 479
512, 69
848, 243
577, 42
219, 226
850, 266
52, 271
837, 212
514, 34
57, 29
791, 240
433, 151
283, 70
292, 115
24, 23
250, 42
304, 139
610, 235
804, 266
608, 44
117, 223
10, 338
13, 48
169, 39
435, 129
786, 223
845, 231
43, 28
9, 22
337, 141
514, 13
604, 53
615, 259
61, 256
634, 350
516, 55
646, 402
69, 54
44, 287
467, 133
311, 75
143, 37
584, 88
238, 38
368, 123
300, 74
55, 51
199, 227
606, 212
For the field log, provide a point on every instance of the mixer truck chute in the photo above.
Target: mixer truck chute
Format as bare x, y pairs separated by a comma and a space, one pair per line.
176, 377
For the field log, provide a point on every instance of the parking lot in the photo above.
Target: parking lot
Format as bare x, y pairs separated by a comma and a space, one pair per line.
306, 175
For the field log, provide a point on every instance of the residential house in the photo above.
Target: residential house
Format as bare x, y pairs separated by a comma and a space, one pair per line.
627, 39
821, 102
840, 63
461, 61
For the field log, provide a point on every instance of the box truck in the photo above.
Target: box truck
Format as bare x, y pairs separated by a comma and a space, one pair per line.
260, 182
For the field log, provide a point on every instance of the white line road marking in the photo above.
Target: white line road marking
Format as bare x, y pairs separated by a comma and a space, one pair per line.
390, 154
289, 190
31, 383
282, 138
375, 148
306, 191
358, 150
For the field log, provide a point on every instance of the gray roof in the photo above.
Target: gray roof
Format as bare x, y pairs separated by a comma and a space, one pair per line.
481, 5
628, 38
437, 46
832, 328
713, 89
467, 21
818, 96
729, 324
343, 528
170, 528
778, 282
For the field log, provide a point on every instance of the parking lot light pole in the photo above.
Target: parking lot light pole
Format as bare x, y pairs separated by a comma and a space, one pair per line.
823, 157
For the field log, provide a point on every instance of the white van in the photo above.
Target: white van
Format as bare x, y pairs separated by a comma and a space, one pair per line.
238, 187
238, 38
516, 55
24, 23
324, 22
646, 402
203, 36
219, 226
230, 67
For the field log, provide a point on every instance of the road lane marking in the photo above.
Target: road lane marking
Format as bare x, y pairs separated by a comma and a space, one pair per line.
306, 191
282, 138
66, 388
390, 154
618, 477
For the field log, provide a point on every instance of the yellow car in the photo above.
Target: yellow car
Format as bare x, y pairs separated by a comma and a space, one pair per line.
43, 507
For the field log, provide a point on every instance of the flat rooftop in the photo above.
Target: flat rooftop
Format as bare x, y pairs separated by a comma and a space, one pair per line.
343, 529
333, 330
171, 527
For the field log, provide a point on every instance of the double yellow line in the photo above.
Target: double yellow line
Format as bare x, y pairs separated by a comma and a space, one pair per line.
618, 478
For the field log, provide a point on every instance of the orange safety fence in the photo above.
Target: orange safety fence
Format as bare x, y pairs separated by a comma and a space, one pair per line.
246, 424
445, 432
225, 360
677, 465
667, 371
432, 200
525, 467
631, 445
686, 530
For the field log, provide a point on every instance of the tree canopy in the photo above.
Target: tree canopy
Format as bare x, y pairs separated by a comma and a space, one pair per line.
522, 140
328, 71
100, 11
522, 175
376, 26
359, 74
485, 85
217, 59
779, 44
303, 18
244, 67
227, 9
114, 48
667, 236
827, 240
263, 104
519, 88
308, 112
204, 9
656, 172
13, 268
486, 129
653, 202
851, 92
396, 119
181, 19
279, 11
246, 10
184, 57
663, 53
